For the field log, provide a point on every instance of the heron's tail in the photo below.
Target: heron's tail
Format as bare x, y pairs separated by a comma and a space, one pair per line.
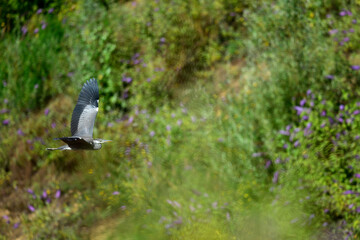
65, 147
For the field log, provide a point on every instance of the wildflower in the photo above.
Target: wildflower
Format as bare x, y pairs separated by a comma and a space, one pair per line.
36, 30
356, 112
308, 92
358, 209
36, 86
6, 218
283, 132
31, 208
348, 192
46, 112
168, 127
148, 210
351, 206
152, 133
276, 177
357, 175
257, 154
285, 146
44, 194
305, 117
322, 125
267, 164
277, 161
323, 113
311, 216
16, 225
6, 122
325, 224
116, 193
342, 13
123, 208
333, 31
51, 10
53, 125
126, 79
162, 40
39, 11
354, 21
341, 107
346, 39
220, 139
355, 67
43, 26
24, 30
20, 132
228, 216
302, 102
297, 143
30, 191
57, 194
351, 30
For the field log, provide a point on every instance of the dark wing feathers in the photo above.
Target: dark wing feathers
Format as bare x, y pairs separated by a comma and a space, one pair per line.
89, 93
85, 111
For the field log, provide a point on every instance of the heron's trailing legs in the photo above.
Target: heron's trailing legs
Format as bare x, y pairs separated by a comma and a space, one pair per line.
65, 147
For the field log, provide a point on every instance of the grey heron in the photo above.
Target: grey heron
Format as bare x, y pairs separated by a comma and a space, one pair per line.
83, 120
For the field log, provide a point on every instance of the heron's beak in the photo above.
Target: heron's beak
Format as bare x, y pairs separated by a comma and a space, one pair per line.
104, 141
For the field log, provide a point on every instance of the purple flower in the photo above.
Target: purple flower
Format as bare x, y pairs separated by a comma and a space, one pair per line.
351, 30
346, 39
44, 194
351, 206
329, 76
36, 86
16, 225
162, 40
39, 11
302, 102
357, 175
267, 164
127, 79
325, 224
43, 26
349, 13
20, 132
283, 132
152, 133
6, 218
348, 192
53, 125
31, 208
179, 122
299, 109
51, 10
297, 143
342, 13
6, 122
123, 208
168, 127
323, 113
116, 193
276, 177
355, 67
46, 112
131, 119
24, 30
308, 92
305, 117
354, 21
333, 31
356, 112
341, 107
285, 146
58, 194
36, 30
257, 154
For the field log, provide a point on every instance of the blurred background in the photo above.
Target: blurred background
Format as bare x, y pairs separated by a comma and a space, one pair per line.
229, 119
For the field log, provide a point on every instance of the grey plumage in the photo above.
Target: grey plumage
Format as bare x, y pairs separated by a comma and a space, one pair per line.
83, 120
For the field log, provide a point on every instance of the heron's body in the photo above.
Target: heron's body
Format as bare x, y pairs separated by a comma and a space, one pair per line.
83, 120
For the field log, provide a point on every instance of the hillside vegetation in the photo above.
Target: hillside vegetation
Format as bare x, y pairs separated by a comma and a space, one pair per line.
229, 119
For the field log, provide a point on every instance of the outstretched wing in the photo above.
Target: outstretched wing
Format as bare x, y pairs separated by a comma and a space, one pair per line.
84, 114
76, 142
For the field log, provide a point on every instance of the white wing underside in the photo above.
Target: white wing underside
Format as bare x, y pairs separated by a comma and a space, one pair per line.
86, 122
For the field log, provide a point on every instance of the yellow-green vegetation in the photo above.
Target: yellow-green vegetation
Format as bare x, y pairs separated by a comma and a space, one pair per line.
229, 119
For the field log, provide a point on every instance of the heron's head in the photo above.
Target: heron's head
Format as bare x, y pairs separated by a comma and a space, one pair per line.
101, 141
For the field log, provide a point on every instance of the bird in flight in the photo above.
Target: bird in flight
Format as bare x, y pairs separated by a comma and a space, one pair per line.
83, 120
